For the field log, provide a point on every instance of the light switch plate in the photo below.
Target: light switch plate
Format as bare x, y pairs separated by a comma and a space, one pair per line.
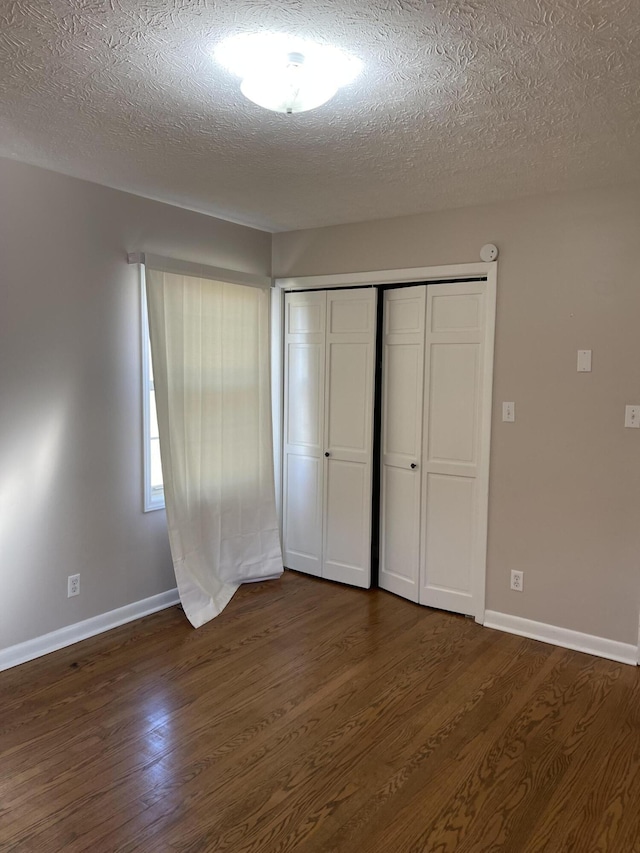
632, 417
508, 412
584, 361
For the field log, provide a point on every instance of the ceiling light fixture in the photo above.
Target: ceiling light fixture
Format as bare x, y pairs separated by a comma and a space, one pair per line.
286, 74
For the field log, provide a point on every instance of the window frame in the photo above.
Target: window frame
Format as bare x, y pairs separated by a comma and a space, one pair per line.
153, 498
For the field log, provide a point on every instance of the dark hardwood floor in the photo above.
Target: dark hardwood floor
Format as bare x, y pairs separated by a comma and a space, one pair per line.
315, 717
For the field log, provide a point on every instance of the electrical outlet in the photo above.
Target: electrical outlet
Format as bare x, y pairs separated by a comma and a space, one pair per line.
508, 412
632, 417
73, 585
584, 361
517, 580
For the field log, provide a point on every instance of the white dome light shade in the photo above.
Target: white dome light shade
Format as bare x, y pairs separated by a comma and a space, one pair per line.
289, 89
286, 74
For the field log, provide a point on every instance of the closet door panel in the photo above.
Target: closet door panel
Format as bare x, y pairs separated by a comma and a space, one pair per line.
449, 544
303, 515
305, 313
402, 403
452, 411
456, 312
351, 312
348, 422
303, 476
403, 399
304, 374
455, 341
349, 391
399, 548
348, 523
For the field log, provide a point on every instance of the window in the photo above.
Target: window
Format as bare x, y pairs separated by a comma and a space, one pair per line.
153, 486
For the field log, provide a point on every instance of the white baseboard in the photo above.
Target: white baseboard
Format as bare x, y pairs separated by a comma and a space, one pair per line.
31, 649
599, 646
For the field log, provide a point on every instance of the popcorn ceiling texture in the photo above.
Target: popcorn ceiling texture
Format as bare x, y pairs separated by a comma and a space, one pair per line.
459, 103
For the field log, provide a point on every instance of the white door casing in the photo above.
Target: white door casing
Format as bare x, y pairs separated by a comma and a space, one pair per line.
487, 271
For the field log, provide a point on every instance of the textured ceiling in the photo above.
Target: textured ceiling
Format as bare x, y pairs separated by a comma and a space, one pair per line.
460, 102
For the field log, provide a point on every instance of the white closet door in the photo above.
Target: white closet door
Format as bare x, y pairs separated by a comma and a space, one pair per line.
303, 474
402, 390
348, 429
454, 516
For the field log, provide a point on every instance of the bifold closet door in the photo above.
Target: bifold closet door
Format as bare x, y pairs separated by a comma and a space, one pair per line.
349, 392
434, 516
328, 433
453, 477
303, 474
402, 389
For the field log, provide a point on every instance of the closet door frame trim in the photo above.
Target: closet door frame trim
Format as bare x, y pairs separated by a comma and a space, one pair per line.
412, 275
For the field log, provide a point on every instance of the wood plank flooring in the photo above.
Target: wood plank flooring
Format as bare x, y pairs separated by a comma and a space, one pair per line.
315, 717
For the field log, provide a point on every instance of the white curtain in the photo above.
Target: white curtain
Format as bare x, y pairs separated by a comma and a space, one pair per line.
210, 350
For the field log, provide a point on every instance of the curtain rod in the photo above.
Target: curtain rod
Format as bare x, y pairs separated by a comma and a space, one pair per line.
179, 267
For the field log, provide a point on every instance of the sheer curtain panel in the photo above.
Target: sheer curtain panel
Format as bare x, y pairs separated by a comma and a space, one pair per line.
210, 351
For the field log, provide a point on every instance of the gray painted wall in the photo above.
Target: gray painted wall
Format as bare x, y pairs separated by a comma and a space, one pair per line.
564, 502
565, 478
70, 402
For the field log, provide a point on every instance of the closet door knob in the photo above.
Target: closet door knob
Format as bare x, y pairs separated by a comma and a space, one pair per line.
326, 453
414, 465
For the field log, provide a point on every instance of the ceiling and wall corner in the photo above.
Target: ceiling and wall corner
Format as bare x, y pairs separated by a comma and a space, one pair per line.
457, 104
